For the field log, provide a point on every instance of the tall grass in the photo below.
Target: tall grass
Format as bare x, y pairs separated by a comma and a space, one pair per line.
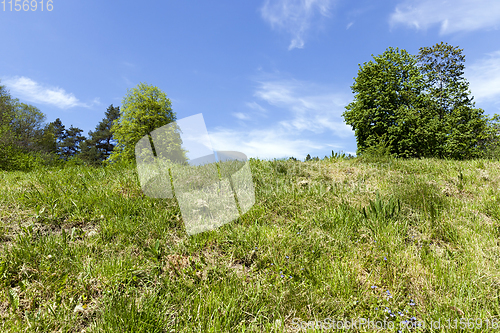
404, 241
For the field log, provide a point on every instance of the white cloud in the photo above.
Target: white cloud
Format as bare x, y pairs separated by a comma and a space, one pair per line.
294, 16
312, 107
453, 16
484, 77
241, 116
310, 110
264, 144
349, 25
31, 91
256, 106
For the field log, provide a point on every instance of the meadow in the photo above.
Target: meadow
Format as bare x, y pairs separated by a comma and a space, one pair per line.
411, 242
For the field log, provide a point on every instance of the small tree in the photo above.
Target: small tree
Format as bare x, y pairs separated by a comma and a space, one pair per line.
144, 109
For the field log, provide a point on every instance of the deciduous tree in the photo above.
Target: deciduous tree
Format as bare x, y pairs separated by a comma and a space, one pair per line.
388, 106
144, 109
464, 127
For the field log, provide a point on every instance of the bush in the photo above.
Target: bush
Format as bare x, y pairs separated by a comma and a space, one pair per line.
17, 160
380, 151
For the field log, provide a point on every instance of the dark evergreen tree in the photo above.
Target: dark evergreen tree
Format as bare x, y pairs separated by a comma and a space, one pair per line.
69, 146
100, 143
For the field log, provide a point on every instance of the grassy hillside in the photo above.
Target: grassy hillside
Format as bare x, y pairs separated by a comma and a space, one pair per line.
82, 249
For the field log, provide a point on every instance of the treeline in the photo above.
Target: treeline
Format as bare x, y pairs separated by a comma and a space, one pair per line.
27, 142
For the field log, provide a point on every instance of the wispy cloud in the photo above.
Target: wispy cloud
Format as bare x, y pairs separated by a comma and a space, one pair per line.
484, 77
311, 120
262, 143
31, 91
311, 107
349, 25
128, 64
294, 16
454, 16
241, 116
256, 106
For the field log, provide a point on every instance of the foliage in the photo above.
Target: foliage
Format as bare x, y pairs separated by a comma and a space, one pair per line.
389, 104
491, 143
22, 137
69, 146
378, 209
464, 127
377, 152
417, 111
144, 109
99, 145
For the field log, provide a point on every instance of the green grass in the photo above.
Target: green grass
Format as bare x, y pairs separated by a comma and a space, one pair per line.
83, 249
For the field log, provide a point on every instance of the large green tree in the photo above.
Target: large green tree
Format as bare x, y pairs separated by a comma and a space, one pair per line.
464, 127
417, 111
144, 109
99, 144
389, 107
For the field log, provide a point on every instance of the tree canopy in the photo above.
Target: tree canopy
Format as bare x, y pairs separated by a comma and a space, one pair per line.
99, 145
416, 111
144, 109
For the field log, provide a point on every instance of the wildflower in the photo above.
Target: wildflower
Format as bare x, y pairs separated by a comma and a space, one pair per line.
286, 257
385, 258
290, 276
373, 287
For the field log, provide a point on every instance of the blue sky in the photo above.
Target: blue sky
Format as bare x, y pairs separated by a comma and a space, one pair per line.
271, 77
